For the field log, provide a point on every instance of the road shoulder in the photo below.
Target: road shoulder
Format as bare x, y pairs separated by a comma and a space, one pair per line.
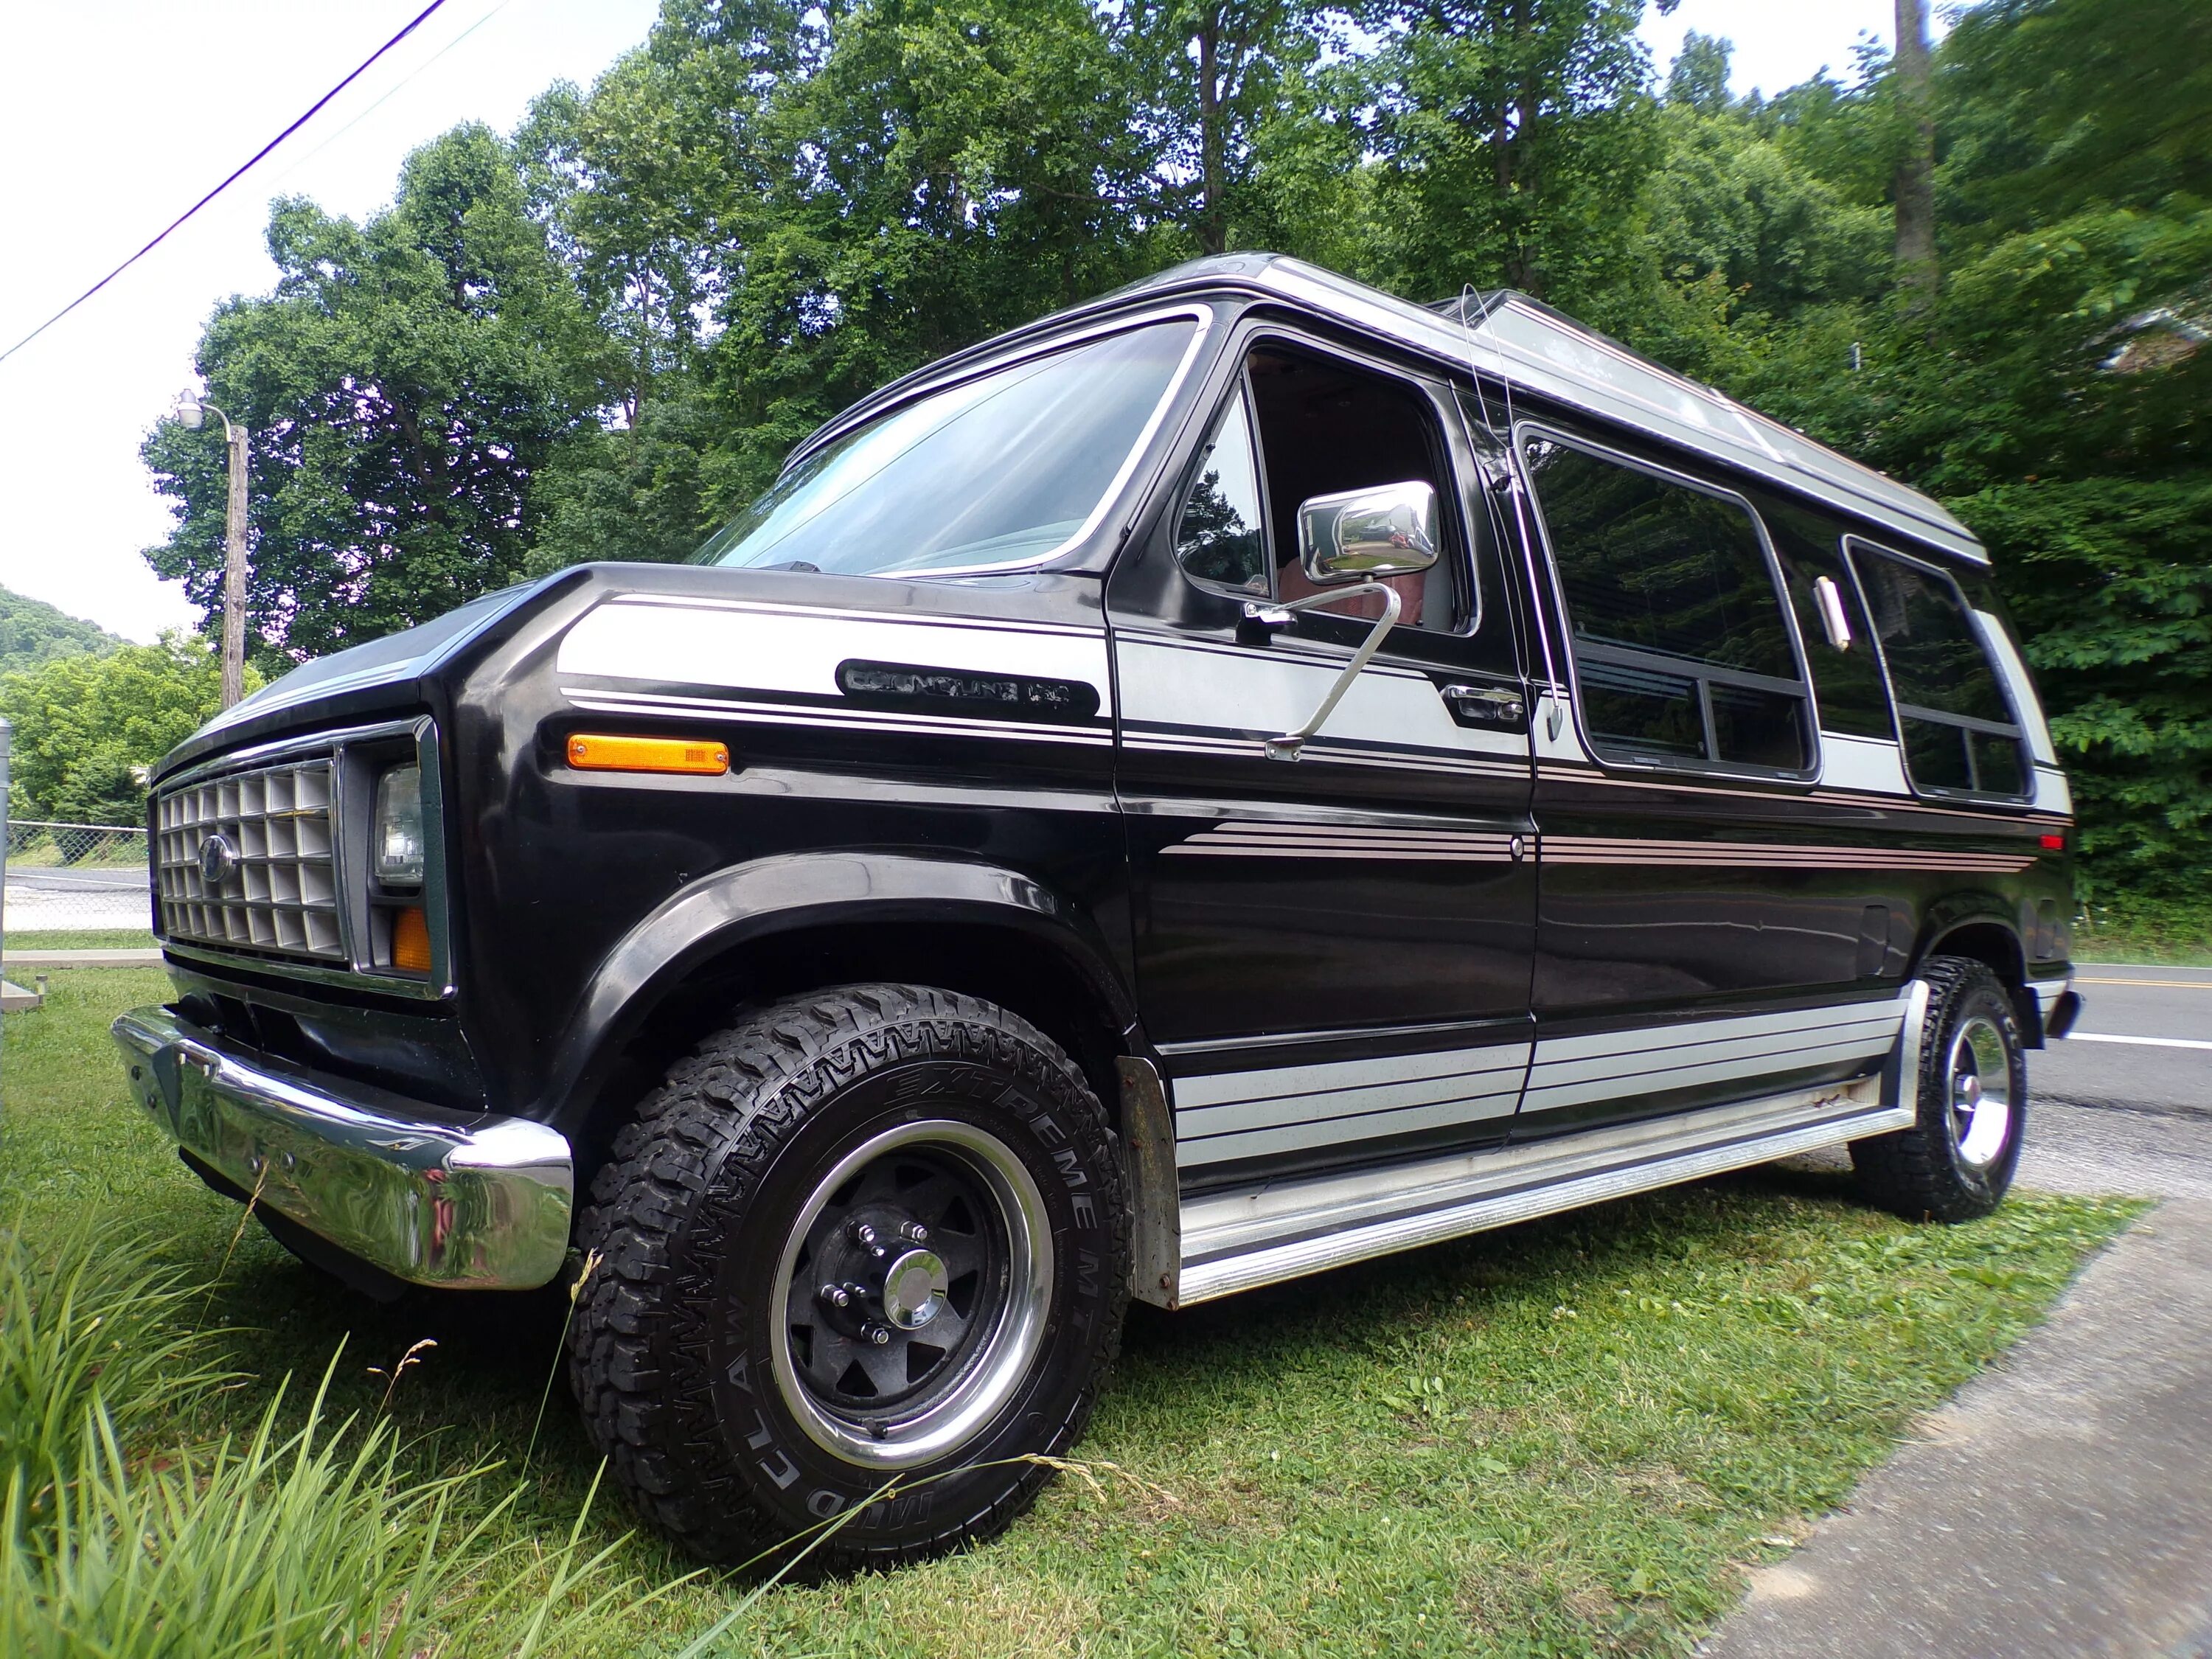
2060, 1504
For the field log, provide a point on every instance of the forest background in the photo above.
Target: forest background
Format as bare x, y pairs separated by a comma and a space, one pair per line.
1987, 270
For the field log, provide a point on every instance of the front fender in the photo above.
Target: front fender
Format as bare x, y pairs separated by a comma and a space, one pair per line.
725, 911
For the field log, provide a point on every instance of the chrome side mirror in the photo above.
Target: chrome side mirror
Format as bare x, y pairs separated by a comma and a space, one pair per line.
1367, 535
1350, 544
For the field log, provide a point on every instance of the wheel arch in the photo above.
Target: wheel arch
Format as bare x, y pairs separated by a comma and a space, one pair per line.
1984, 931
791, 923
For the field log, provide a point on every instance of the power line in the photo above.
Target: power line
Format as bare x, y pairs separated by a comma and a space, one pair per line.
414, 23
398, 87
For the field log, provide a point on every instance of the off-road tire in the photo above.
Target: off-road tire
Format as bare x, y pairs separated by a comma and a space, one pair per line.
671, 1349
1920, 1172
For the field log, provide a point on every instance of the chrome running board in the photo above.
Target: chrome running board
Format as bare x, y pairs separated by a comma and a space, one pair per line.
1248, 1237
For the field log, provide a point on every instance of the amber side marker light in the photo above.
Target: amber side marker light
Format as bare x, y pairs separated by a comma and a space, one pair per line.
411, 940
594, 751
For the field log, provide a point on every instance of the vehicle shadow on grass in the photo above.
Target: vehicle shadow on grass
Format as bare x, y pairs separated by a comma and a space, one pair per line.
475, 1395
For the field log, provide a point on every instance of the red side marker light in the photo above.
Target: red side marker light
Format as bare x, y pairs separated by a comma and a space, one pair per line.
2054, 843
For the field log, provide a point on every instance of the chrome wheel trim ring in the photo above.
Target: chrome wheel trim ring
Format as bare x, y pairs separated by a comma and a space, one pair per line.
1003, 1356
1980, 1072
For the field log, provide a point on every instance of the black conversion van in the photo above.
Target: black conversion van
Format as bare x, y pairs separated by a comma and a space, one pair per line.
1243, 776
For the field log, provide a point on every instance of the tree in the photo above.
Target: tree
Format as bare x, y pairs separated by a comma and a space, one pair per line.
1915, 187
404, 385
1513, 133
1229, 109
84, 724
33, 633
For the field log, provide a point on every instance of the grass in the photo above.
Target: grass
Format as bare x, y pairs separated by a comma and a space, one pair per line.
1568, 1438
2164, 932
83, 938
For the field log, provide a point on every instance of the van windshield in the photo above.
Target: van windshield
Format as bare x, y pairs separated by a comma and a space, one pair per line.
1002, 470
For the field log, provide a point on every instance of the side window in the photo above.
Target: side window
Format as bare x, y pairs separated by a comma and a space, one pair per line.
1681, 649
1846, 678
1326, 426
1220, 540
1960, 734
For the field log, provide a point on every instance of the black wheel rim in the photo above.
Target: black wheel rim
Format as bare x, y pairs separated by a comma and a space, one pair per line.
912, 1293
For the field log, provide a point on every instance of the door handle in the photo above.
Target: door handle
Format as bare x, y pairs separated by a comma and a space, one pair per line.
1484, 703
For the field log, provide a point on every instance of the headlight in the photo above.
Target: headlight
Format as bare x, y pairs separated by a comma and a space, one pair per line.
399, 832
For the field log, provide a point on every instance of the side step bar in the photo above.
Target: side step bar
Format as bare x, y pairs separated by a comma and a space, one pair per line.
1248, 1236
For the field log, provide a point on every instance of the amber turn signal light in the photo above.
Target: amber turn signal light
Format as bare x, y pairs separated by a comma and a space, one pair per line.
594, 751
411, 940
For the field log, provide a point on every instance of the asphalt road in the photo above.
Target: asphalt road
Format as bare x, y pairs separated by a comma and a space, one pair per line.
2124, 1105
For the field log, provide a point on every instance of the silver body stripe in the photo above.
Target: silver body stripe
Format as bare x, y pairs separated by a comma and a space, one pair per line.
1246, 695
1235, 1115
1285, 1108
794, 651
860, 720
1594, 849
1578, 1070
1267, 839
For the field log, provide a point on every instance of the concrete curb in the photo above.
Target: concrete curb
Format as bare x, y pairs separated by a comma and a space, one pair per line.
2060, 1505
82, 959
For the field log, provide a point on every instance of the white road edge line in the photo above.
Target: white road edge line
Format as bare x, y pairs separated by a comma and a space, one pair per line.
2146, 1042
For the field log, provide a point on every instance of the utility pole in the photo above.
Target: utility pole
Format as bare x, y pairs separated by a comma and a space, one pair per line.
234, 568
192, 412
1915, 181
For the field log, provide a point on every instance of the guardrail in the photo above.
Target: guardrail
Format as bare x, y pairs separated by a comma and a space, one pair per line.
74, 878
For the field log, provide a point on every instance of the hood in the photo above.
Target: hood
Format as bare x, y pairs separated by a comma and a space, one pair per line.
358, 676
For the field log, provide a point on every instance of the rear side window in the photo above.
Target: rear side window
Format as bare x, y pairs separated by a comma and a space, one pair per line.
1681, 649
1846, 678
1961, 736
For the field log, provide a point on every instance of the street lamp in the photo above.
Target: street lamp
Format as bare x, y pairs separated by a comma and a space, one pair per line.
191, 411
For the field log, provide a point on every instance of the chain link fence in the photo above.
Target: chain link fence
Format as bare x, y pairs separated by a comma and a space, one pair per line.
74, 878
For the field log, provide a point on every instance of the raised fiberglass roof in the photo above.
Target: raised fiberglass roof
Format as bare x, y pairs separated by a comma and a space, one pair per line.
1507, 336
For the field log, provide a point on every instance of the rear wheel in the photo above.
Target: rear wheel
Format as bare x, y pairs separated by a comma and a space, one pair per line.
871, 1236
1957, 1160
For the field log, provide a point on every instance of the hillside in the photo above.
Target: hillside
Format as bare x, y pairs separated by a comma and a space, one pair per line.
33, 633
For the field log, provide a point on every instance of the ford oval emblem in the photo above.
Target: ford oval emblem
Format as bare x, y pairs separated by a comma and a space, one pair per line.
218, 858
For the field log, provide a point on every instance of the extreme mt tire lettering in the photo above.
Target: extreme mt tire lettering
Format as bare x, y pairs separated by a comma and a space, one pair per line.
871, 1235
1957, 1161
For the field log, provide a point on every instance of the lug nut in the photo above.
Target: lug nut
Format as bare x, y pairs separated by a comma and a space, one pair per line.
863, 1233
879, 1334
835, 1296
915, 1233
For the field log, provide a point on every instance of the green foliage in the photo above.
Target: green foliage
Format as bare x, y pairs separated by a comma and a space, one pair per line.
1512, 136
600, 339
86, 1332
85, 727
34, 633
403, 384
117, 1539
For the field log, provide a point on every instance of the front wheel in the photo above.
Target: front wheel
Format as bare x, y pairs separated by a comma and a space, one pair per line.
869, 1238
1957, 1160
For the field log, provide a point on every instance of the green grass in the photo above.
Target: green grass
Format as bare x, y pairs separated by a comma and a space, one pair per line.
83, 938
2164, 932
1568, 1438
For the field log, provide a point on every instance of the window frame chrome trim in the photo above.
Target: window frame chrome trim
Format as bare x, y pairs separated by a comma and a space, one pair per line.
1116, 489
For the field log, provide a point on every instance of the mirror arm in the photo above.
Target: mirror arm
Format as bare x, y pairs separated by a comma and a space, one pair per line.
1286, 747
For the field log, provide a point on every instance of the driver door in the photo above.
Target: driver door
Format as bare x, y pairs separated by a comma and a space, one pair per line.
1332, 953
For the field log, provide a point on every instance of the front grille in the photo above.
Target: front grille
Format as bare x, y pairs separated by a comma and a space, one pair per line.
265, 837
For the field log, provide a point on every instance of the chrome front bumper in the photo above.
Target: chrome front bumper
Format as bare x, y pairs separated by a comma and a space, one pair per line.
464, 1202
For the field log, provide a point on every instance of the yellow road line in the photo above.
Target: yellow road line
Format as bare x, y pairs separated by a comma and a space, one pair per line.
2171, 984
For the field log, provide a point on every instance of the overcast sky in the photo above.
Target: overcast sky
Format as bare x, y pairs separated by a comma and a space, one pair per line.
116, 116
